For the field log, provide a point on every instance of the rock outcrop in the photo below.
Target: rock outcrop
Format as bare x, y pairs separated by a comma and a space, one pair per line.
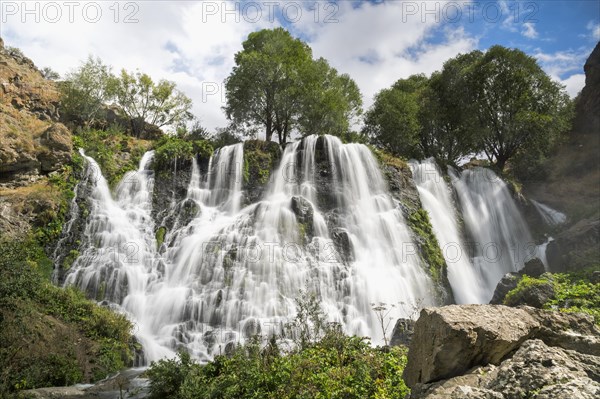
486, 351
32, 142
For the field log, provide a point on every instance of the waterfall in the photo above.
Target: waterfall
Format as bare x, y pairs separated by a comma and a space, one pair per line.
230, 272
437, 200
550, 216
500, 239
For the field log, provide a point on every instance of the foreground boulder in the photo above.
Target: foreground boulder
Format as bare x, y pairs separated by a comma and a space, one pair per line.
486, 351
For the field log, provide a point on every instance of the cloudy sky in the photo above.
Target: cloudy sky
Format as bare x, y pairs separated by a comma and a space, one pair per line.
377, 42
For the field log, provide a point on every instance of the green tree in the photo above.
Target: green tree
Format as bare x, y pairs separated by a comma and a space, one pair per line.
85, 90
277, 86
518, 105
448, 122
159, 104
331, 101
264, 87
393, 121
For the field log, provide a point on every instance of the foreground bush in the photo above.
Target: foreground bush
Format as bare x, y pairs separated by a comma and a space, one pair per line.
50, 336
338, 366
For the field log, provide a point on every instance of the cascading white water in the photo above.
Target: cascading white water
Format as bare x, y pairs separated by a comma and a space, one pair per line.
500, 241
551, 217
436, 197
230, 273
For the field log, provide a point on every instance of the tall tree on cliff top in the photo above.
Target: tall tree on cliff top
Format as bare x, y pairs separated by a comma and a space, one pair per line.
276, 85
518, 105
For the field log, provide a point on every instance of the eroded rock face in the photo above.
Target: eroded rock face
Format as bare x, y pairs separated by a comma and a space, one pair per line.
575, 248
535, 371
449, 342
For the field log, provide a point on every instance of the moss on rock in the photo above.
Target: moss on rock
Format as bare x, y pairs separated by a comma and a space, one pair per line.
431, 253
260, 160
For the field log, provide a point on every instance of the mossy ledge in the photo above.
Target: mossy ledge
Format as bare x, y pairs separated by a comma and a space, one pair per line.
431, 253
261, 158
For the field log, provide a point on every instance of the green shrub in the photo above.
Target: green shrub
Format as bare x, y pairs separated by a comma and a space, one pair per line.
115, 152
170, 148
573, 292
52, 336
260, 160
325, 364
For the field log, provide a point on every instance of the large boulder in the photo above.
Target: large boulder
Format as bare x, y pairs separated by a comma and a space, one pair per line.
451, 340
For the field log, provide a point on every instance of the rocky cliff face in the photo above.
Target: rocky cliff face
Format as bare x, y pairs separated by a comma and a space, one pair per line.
486, 351
32, 143
571, 185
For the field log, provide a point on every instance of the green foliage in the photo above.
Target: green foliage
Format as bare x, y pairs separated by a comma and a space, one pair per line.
168, 375
327, 364
260, 159
448, 126
520, 108
428, 244
330, 102
159, 104
84, 92
49, 73
392, 123
115, 152
51, 336
573, 292
525, 284
173, 148
500, 103
276, 85
160, 236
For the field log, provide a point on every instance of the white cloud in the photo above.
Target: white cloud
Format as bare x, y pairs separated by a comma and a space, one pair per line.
193, 45
529, 30
594, 30
574, 84
561, 63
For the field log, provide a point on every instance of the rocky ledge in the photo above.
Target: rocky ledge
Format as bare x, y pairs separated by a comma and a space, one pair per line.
498, 352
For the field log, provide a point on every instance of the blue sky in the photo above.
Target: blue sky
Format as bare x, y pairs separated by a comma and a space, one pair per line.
376, 42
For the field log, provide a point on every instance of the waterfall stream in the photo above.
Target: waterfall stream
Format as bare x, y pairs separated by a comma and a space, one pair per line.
436, 197
230, 272
326, 223
499, 239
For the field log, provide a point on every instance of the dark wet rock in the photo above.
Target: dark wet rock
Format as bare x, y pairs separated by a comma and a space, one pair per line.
508, 283
343, 244
403, 332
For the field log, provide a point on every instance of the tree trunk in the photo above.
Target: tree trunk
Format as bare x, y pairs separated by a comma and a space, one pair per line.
269, 131
501, 162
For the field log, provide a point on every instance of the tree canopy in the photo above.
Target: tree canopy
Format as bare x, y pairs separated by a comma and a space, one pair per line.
500, 103
276, 85
159, 104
